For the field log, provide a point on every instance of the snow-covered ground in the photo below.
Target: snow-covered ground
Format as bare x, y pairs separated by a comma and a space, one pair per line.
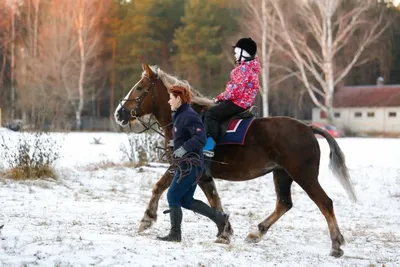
90, 215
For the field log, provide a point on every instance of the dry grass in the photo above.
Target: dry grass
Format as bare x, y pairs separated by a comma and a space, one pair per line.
31, 157
28, 173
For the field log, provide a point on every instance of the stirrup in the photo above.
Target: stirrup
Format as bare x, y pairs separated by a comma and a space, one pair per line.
208, 153
210, 144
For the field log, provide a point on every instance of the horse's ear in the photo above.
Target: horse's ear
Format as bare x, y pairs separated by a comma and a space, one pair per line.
148, 70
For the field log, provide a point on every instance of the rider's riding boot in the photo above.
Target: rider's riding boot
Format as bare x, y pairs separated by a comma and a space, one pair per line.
175, 234
219, 218
208, 149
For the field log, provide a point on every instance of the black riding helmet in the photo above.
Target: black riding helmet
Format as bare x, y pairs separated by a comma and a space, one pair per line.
248, 45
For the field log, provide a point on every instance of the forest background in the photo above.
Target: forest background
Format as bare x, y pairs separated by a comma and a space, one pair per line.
67, 63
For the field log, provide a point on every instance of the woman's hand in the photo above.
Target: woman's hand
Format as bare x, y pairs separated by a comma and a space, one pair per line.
179, 152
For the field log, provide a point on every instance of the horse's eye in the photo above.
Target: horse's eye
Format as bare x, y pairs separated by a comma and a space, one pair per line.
139, 88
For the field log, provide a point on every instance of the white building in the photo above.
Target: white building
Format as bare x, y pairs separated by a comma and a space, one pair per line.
373, 108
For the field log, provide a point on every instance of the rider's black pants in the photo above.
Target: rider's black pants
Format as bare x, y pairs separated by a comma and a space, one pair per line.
220, 112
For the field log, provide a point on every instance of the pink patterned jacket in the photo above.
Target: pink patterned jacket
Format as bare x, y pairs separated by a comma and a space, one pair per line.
243, 87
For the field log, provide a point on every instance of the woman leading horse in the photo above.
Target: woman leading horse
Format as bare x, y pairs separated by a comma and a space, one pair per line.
189, 138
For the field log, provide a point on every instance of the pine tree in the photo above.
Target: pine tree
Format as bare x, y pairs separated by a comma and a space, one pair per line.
199, 40
144, 32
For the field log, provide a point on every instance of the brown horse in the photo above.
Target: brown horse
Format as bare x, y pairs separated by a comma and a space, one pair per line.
282, 145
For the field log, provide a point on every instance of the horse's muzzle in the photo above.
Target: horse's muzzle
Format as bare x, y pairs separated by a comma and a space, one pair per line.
123, 116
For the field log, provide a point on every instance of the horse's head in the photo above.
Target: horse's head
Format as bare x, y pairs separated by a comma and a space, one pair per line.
140, 100
149, 96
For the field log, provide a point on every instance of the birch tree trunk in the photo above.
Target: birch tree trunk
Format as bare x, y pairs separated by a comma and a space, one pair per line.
327, 52
36, 28
82, 59
12, 62
35, 44
264, 59
258, 15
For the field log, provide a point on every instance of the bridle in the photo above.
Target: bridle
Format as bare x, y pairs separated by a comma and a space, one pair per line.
135, 111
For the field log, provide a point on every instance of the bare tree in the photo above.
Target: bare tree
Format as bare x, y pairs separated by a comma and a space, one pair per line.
4, 41
10, 8
312, 34
70, 44
260, 14
39, 91
26, 72
13, 9
89, 43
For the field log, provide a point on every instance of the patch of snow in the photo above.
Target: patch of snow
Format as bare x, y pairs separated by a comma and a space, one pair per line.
90, 217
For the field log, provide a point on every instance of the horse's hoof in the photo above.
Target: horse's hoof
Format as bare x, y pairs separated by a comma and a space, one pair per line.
223, 240
254, 237
145, 224
337, 253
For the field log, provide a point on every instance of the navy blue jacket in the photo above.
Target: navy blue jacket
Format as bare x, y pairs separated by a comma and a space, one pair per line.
188, 130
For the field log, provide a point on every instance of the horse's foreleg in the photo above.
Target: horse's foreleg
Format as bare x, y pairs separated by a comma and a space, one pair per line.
150, 215
207, 185
282, 182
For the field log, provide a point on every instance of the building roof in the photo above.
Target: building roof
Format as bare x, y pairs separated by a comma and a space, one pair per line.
367, 96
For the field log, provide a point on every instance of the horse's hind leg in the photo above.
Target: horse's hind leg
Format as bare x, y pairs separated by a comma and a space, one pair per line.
283, 182
150, 215
307, 178
207, 185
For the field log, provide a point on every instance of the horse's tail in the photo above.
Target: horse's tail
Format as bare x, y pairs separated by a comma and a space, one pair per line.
337, 163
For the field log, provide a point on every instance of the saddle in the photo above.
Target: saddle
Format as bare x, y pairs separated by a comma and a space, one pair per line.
223, 126
251, 112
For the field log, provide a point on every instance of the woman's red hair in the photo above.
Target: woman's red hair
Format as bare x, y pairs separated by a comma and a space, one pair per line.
182, 92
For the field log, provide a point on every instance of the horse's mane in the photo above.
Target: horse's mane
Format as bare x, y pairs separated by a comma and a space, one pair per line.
170, 80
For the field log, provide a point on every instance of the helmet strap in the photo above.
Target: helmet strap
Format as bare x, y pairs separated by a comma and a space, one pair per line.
241, 56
